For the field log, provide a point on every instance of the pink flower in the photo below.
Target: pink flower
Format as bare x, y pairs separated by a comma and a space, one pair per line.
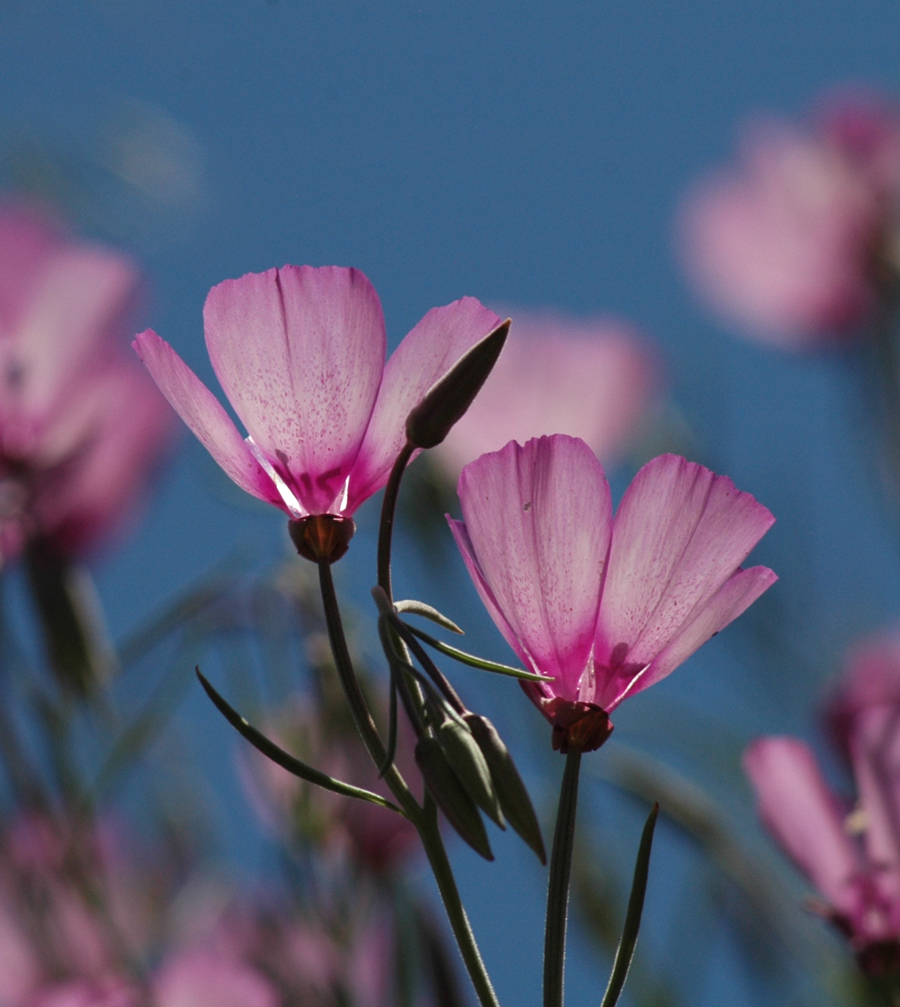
300, 354
111, 993
589, 378
209, 979
80, 426
794, 245
606, 607
853, 860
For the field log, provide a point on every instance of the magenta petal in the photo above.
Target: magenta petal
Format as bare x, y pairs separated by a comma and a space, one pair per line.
538, 520
424, 356
805, 818
734, 597
680, 533
204, 414
300, 354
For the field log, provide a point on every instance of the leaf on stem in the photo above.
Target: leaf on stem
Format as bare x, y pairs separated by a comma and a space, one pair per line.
427, 612
286, 761
476, 662
625, 951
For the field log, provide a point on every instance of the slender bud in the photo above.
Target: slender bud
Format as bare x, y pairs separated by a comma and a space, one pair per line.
471, 767
451, 796
448, 399
322, 536
514, 800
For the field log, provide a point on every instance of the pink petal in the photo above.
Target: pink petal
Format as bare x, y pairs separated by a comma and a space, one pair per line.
424, 356
538, 522
206, 979
28, 238
680, 533
80, 300
803, 815
300, 353
734, 597
204, 414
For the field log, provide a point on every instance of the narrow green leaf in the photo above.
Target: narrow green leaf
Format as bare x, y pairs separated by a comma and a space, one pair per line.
625, 951
286, 761
476, 662
427, 612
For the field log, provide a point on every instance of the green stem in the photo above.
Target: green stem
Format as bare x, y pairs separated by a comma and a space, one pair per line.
386, 528
459, 922
558, 888
355, 699
424, 819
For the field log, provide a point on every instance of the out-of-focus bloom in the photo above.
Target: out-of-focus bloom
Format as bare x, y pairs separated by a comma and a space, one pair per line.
300, 354
606, 607
853, 858
81, 427
590, 378
206, 979
798, 243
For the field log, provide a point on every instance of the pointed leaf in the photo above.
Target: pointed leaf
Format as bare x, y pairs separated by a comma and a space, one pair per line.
286, 761
476, 662
626, 947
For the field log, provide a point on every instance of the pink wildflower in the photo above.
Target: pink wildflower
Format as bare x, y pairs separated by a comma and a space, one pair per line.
796, 244
209, 979
589, 378
300, 354
853, 860
606, 607
80, 426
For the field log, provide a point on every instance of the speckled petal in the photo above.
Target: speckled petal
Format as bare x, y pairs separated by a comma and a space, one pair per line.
680, 533
206, 417
538, 522
300, 354
424, 356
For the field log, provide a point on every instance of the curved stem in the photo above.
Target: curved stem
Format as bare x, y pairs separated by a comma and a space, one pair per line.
386, 528
558, 888
459, 922
355, 699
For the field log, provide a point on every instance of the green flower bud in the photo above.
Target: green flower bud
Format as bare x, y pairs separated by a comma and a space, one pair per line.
470, 765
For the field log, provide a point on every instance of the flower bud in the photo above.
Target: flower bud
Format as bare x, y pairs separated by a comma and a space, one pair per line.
514, 800
451, 796
470, 766
448, 398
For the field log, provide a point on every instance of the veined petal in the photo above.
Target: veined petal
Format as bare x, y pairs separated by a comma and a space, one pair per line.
538, 520
798, 808
425, 355
680, 533
300, 354
206, 417
736, 594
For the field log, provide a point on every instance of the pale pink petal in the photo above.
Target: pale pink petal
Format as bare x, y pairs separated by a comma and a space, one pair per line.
81, 993
424, 356
680, 533
206, 417
80, 299
803, 815
28, 238
206, 979
538, 522
733, 598
589, 378
875, 752
300, 353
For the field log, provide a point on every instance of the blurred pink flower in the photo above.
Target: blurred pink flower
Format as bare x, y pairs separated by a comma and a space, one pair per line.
795, 245
852, 859
589, 378
605, 606
207, 979
110, 993
300, 354
80, 426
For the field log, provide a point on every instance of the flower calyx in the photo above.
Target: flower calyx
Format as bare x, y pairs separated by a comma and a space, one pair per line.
322, 536
582, 726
